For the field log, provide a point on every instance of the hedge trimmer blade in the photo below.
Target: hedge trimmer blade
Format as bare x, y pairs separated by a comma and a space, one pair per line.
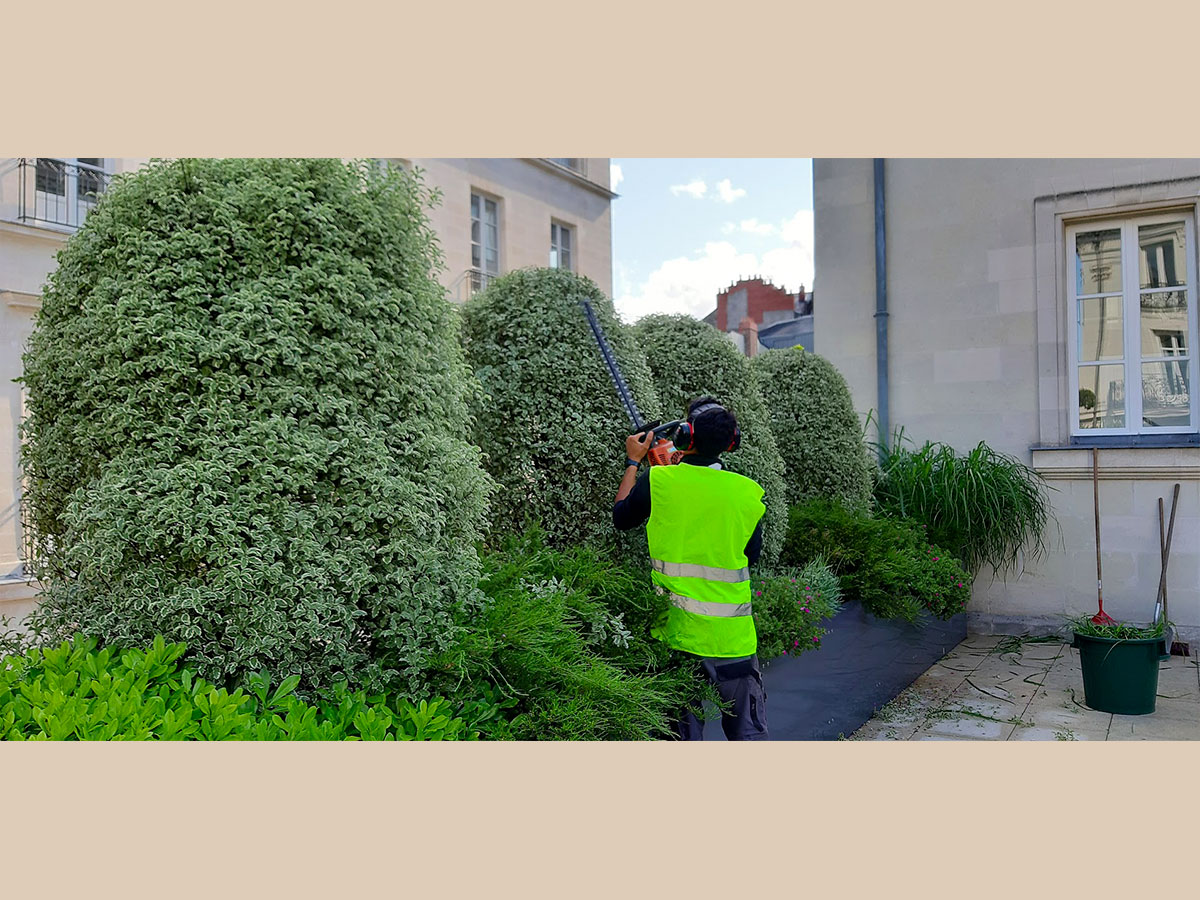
614, 372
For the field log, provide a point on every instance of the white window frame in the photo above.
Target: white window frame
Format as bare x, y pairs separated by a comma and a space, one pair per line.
484, 199
1131, 319
556, 248
74, 213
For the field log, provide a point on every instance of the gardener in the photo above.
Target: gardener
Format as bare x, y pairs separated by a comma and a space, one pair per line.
704, 529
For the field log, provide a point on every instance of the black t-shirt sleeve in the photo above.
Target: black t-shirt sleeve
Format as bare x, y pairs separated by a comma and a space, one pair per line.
634, 509
754, 548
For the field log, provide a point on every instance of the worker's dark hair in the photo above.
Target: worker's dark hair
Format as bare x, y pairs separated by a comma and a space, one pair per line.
714, 427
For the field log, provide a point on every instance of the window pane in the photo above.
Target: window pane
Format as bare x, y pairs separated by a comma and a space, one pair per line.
475, 231
489, 208
1101, 396
493, 236
475, 257
566, 238
553, 235
1164, 324
1098, 262
493, 261
553, 258
1165, 396
1162, 260
1102, 331
51, 176
566, 259
474, 206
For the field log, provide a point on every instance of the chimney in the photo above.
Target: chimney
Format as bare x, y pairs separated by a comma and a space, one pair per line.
748, 329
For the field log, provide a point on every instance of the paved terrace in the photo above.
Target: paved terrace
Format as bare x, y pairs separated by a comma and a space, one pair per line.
995, 688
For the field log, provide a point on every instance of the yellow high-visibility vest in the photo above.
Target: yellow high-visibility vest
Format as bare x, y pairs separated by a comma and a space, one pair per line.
700, 522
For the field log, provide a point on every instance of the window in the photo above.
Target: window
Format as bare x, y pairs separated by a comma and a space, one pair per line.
485, 240
561, 242
575, 165
1133, 295
65, 189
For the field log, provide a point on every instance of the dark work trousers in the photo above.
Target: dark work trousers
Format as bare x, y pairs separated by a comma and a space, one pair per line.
739, 684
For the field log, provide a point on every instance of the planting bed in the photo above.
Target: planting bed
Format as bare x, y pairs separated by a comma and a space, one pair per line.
863, 663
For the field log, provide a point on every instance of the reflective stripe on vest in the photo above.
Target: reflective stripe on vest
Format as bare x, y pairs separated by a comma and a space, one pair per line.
725, 610
708, 573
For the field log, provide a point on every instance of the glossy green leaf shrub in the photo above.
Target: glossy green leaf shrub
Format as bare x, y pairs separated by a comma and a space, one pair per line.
815, 426
885, 563
690, 359
75, 691
249, 425
550, 425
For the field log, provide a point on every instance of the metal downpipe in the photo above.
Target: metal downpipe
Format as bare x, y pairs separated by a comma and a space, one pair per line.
881, 311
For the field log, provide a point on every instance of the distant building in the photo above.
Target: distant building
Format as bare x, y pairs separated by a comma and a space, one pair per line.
755, 313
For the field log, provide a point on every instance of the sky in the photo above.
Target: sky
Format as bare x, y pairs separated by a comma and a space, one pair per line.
685, 229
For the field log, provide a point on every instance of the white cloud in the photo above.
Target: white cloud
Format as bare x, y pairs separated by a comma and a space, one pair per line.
729, 228
689, 284
615, 176
753, 226
727, 192
695, 189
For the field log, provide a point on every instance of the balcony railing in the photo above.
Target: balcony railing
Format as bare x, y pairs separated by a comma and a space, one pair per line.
469, 283
58, 191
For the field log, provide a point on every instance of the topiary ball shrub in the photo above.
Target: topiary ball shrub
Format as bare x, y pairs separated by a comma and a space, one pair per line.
690, 359
815, 426
248, 425
550, 424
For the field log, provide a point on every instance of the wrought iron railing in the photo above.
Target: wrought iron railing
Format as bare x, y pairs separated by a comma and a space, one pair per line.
58, 191
471, 282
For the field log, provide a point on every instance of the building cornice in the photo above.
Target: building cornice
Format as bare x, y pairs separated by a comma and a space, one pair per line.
37, 232
572, 176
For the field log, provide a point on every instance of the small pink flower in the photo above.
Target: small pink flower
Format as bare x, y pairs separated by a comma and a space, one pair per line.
796, 643
960, 584
805, 609
758, 593
935, 559
815, 640
785, 653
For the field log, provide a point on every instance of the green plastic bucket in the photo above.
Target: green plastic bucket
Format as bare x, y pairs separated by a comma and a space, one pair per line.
1119, 676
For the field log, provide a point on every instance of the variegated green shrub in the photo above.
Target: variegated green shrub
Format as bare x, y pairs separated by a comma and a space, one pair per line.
248, 424
690, 359
550, 425
815, 426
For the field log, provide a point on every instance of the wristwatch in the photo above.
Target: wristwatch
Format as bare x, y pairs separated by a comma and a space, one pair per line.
630, 461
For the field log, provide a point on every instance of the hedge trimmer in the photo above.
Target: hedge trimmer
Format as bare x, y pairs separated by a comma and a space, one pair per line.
662, 451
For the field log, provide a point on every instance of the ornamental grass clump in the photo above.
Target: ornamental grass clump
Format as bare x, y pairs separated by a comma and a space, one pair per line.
690, 359
550, 424
565, 641
248, 425
985, 507
815, 427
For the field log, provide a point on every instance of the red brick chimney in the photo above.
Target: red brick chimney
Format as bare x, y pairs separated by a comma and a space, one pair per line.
748, 329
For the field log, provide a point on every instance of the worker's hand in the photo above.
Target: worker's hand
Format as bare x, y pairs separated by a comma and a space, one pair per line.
636, 445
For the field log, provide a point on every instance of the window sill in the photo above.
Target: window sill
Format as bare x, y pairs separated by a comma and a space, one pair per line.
1124, 441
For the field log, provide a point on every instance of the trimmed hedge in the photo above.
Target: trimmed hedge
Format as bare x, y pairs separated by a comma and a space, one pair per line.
815, 426
550, 425
689, 359
248, 425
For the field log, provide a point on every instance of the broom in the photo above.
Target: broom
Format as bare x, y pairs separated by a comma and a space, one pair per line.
1101, 617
